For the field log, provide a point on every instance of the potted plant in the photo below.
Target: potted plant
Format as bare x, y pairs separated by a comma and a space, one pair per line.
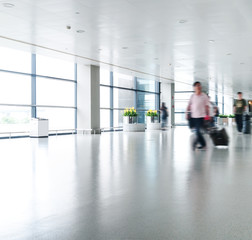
152, 116
130, 115
231, 118
224, 118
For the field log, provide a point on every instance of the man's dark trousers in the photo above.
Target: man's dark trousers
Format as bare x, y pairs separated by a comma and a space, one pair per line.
238, 119
198, 124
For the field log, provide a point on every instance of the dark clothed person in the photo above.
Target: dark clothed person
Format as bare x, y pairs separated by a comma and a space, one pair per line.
239, 108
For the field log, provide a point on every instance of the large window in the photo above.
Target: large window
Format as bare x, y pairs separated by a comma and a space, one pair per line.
183, 93
60, 119
118, 91
13, 60
122, 80
105, 118
118, 118
123, 98
146, 101
104, 76
105, 97
15, 88
14, 119
146, 85
54, 92
53, 67
35, 86
220, 102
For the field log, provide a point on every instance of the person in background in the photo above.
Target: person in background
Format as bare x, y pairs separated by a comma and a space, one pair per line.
198, 108
164, 115
216, 113
240, 106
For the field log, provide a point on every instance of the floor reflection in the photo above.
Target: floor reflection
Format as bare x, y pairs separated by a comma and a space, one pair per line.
125, 186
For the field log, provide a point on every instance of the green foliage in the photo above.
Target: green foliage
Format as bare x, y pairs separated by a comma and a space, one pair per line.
226, 116
152, 113
223, 116
13, 120
8, 120
131, 112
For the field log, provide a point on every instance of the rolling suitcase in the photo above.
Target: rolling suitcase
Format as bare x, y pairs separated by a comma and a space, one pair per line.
219, 137
246, 124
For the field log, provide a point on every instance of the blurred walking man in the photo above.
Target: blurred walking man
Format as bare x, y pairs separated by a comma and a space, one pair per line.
198, 107
240, 106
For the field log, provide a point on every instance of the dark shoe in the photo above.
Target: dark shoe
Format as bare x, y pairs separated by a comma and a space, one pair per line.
202, 148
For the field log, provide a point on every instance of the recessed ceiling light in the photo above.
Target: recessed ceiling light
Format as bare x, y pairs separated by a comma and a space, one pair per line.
124, 47
182, 21
80, 31
211, 41
170, 64
229, 54
155, 58
99, 49
77, 12
8, 5
242, 63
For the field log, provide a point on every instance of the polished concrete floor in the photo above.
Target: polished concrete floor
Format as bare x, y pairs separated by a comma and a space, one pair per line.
125, 186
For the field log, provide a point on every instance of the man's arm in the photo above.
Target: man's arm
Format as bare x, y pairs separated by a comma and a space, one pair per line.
188, 109
207, 110
207, 103
234, 108
245, 105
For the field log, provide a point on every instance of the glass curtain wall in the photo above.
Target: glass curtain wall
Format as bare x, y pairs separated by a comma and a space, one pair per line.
35, 86
182, 94
119, 91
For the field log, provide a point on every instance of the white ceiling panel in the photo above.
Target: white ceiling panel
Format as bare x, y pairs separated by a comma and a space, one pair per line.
169, 38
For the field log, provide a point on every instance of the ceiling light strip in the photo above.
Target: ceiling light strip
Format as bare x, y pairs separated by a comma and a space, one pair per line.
93, 60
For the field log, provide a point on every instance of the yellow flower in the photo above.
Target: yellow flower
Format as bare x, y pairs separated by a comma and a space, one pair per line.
155, 111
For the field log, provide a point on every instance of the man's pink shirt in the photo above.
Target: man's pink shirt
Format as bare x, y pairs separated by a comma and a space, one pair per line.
198, 105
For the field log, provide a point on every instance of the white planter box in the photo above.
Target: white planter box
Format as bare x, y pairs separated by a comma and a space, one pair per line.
153, 126
222, 121
129, 120
225, 121
39, 127
138, 127
152, 119
125, 120
231, 121
219, 121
